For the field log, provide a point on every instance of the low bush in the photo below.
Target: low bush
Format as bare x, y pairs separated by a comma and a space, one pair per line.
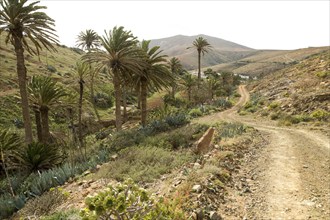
323, 74
177, 120
63, 215
223, 103
274, 116
51, 69
145, 163
229, 130
44, 204
195, 112
273, 105
128, 201
103, 100
320, 115
38, 156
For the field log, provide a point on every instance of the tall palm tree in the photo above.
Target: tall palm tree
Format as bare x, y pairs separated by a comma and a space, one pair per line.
89, 40
188, 81
175, 67
29, 29
155, 75
122, 57
44, 93
202, 47
81, 70
213, 81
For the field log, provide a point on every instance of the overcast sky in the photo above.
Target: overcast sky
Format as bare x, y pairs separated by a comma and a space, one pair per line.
256, 24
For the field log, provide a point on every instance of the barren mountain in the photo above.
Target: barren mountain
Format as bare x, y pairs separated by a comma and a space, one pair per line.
222, 52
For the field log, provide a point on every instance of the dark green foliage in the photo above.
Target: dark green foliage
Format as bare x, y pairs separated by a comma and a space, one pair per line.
176, 102
223, 103
195, 112
39, 156
51, 69
229, 130
177, 120
18, 123
103, 100
9, 205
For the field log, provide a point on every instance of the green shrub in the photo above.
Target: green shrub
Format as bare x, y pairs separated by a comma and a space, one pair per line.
322, 74
274, 116
195, 112
128, 201
229, 130
223, 103
44, 204
179, 138
177, 120
168, 100
63, 215
10, 204
145, 163
51, 69
320, 115
273, 105
103, 100
39, 156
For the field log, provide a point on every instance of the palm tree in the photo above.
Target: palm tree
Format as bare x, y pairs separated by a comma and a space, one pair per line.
202, 47
90, 40
175, 67
25, 25
81, 70
155, 75
122, 57
188, 81
9, 146
44, 93
213, 81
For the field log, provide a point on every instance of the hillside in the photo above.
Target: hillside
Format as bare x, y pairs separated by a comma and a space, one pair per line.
58, 65
263, 62
223, 51
302, 89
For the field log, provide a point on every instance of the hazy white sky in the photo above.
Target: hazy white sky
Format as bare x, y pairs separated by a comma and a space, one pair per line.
256, 24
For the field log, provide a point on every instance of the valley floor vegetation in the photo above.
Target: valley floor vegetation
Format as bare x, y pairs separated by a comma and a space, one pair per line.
114, 96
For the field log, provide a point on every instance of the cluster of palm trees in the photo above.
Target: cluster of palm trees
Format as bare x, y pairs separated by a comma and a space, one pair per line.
129, 62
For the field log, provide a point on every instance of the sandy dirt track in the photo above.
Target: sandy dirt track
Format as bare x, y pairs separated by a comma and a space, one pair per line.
291, 173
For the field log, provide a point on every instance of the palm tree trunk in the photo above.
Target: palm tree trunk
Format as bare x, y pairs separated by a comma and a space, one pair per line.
81, 92
138, 91
125, 103
173, 90
144, 101
45, 125
189, 94
116, 85
38, 123
21, 72
92, 98
199, 69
